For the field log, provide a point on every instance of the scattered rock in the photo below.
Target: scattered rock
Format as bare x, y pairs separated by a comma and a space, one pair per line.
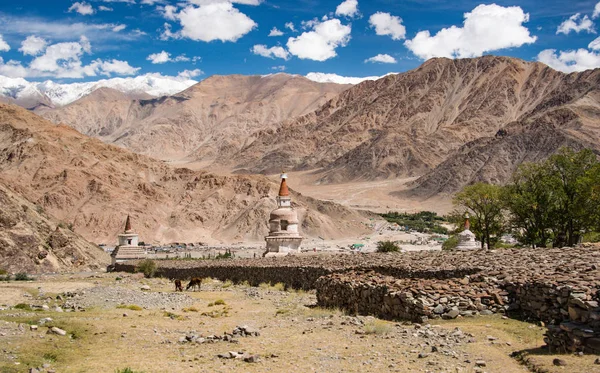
58, 331
559, 362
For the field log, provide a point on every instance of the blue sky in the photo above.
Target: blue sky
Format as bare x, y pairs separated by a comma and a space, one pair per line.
89, 40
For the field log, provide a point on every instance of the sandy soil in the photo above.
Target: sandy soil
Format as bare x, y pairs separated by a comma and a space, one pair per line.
294, 337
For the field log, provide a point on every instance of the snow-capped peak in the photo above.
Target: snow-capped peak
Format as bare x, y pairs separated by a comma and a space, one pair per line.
21, 90
338, 79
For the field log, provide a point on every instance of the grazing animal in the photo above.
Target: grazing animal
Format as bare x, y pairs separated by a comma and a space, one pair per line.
194, 283
178, 286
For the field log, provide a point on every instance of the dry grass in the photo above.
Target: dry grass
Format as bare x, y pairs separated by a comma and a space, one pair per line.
303, 346
378, 327
132, 307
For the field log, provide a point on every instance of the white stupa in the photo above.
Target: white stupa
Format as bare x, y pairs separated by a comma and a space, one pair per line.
466, 238
128, 248
284, 237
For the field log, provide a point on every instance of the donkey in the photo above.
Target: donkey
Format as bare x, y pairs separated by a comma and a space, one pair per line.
178, 286
195, 282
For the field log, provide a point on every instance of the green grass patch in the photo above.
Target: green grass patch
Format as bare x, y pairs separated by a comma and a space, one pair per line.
23, 306
127, 370
133, 307
424, 221
190, 309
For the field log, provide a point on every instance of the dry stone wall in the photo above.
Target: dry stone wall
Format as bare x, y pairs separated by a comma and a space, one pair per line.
558, 286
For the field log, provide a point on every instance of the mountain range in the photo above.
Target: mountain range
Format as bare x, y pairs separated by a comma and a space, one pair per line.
94, 186
449, 122
208, 122
48, 93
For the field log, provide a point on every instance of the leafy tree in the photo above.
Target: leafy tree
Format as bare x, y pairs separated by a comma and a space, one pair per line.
575, 176
485, 205
530, 199
147, 267
387, 247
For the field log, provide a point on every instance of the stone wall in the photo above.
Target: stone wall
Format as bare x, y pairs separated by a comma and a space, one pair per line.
560, 287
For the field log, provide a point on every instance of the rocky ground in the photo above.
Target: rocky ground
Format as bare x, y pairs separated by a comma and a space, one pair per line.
142, 324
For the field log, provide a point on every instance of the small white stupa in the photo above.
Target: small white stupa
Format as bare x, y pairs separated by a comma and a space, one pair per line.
283, 237
466, 238
128, 248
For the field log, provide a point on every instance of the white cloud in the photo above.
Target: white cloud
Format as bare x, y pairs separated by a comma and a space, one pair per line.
161, 57
82, 8
577, 24
62, 30
320, 43
119, 1
115, 67
4, 47
596, 11
105, 8
63, 60
189, 74
290, 26
387, 24
278, 68
486, 28
33, 45
348, 8
170, 12
211, 20
381, 58
273, 52
570, 61
275, 32
118, 28
594, 44
152, 2
164, 57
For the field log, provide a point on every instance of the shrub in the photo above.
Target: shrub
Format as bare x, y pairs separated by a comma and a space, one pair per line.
219, 302
190, 309
450, 243
279, 286
133, 307
23, 306
147, 267
377, 327
227, 284
387, 247
22, 276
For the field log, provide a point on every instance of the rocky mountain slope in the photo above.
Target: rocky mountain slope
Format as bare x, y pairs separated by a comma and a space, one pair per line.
408, 124
32, 241
50, 94
209, 121
94, 186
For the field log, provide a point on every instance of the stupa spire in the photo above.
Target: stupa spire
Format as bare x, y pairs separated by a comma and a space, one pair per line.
283, 188
128, 225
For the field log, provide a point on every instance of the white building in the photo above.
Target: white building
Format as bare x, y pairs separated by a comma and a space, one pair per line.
128, 247
284, 237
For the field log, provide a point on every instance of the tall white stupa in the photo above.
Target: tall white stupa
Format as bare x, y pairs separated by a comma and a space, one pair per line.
128, 247
466, 238
284, 237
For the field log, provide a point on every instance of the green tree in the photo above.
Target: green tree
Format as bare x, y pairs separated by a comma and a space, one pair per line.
575, 177
530, 200
485, 204
387, 247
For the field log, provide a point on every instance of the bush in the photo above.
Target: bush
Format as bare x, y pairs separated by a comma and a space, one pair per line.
132, 307
126, 370
219, 302
387, 247
147, 267
23, 306
22, 276
450, 243
377, 327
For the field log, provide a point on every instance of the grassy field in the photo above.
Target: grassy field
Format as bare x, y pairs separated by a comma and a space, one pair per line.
294, 336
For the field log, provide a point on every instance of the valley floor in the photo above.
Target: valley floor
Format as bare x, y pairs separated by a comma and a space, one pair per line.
294, 336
